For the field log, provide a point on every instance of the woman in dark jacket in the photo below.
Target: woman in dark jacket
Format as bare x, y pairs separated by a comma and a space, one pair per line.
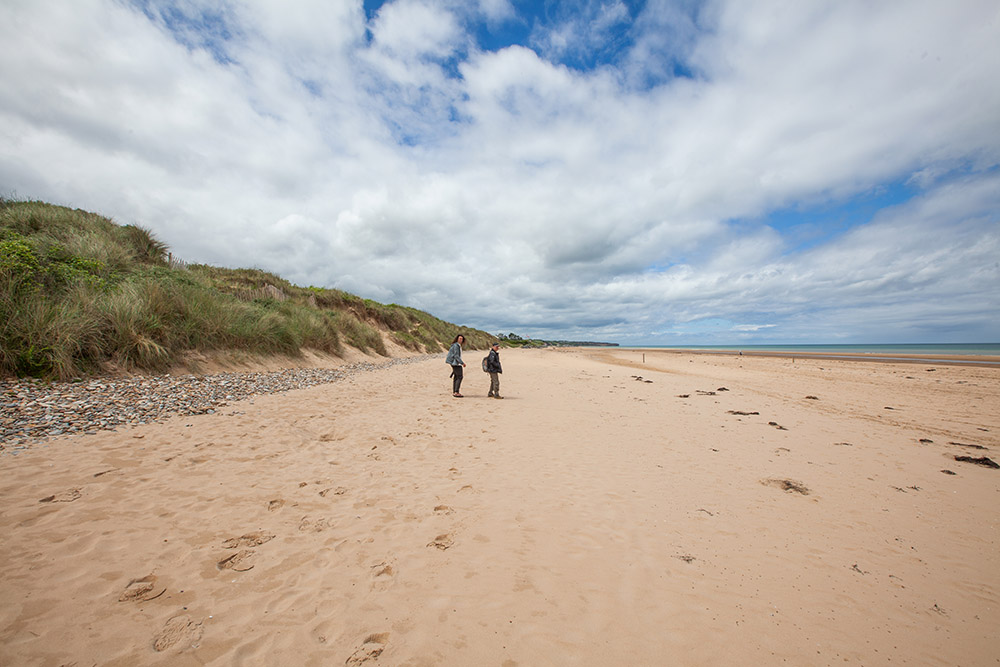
454, 359
494, 369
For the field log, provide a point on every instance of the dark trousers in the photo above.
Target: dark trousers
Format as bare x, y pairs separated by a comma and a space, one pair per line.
456, 383
494, 384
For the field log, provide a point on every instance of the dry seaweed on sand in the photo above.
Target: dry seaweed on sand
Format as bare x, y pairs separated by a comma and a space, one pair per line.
984, 461
787, 485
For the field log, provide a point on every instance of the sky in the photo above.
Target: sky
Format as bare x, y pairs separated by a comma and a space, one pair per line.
663, 172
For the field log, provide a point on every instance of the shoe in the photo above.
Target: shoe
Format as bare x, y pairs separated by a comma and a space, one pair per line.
498, 396
489, 395
458, 396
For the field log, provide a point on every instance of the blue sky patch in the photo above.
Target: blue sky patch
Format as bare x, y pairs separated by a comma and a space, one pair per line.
204, 29
806, 225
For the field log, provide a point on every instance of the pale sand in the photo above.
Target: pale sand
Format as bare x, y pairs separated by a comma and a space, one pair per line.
589, 519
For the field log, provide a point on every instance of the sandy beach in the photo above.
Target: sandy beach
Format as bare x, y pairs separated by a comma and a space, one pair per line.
614, 509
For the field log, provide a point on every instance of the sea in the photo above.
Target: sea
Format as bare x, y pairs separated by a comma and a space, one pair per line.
935, 351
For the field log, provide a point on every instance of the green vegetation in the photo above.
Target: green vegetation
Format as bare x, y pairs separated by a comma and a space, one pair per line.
513, 340
81, 295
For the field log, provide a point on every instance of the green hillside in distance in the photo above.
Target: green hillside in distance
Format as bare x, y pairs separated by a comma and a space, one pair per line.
81, 295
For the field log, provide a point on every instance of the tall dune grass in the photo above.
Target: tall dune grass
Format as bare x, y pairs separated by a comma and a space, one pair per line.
80, 294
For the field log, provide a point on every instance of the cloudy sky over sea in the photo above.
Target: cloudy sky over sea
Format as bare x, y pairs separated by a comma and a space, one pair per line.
659, 171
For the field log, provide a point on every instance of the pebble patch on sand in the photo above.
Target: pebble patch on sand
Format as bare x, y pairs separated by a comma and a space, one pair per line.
32, 410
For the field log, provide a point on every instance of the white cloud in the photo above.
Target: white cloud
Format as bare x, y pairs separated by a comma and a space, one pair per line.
416, 29
496, 11
413, 167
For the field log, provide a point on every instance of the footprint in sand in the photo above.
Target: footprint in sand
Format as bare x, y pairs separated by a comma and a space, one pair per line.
371, 648
241, 561
339, 491
64, 497
314, 525
142, 590
443, 509
523, 582
442, 542
275, 504
248, 540
178, 630
383, 575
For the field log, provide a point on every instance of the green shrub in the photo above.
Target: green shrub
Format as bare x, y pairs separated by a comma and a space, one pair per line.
20, 269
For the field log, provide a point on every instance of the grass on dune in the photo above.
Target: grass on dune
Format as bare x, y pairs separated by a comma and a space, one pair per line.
80, 294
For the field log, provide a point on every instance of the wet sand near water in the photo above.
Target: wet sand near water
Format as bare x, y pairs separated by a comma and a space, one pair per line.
693, 509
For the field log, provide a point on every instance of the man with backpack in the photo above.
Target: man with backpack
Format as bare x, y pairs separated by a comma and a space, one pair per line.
492, 366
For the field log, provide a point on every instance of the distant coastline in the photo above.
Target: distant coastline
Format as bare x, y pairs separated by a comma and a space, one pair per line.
538, 342
577, 343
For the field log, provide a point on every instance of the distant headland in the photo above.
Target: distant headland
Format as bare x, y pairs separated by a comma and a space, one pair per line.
513, 340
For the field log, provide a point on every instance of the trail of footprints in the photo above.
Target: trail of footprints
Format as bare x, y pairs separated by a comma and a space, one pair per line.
181, 632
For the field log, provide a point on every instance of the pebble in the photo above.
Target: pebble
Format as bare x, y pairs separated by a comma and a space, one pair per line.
32, 410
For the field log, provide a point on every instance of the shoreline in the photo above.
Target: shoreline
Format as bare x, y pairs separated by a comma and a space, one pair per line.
986, 361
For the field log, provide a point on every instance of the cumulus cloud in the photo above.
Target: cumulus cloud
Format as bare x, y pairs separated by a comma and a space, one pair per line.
613, 176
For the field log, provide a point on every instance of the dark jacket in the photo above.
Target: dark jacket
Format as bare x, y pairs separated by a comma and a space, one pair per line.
493, 362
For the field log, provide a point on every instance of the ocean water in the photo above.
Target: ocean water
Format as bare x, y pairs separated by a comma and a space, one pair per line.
946, 349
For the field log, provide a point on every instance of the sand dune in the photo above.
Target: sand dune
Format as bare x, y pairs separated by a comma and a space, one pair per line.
687, 510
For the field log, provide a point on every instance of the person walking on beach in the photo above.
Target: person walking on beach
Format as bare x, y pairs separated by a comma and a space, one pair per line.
494, 369
454, 359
